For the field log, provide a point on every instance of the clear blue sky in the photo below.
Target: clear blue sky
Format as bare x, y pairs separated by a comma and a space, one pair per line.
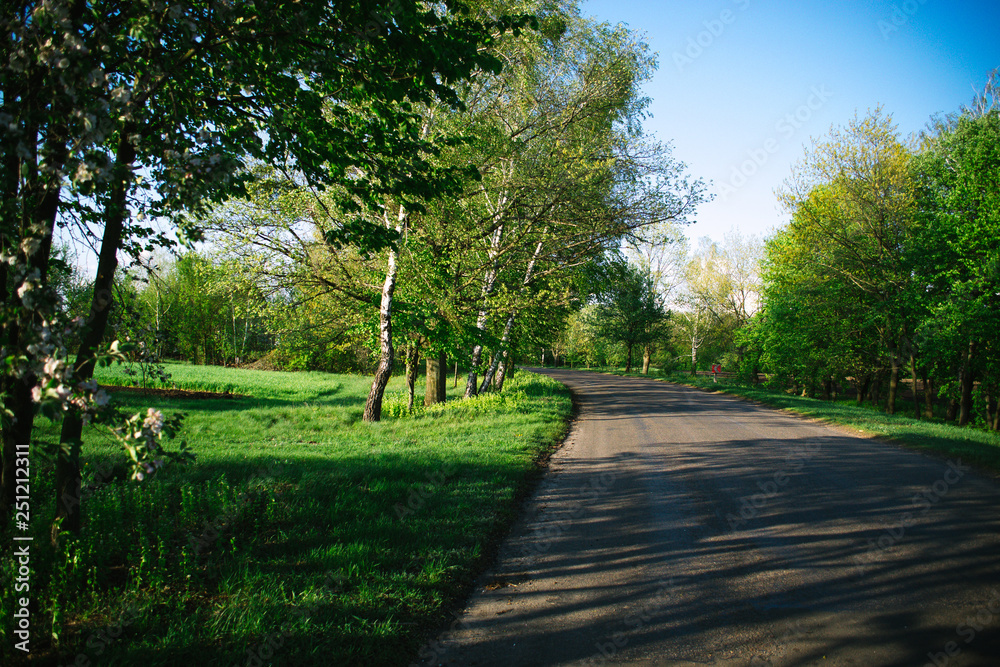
732, 71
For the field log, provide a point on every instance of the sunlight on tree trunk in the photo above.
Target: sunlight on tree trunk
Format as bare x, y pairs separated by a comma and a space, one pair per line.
437, 379
383, 373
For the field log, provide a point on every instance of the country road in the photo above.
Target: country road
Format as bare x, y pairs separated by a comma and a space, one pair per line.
678, 527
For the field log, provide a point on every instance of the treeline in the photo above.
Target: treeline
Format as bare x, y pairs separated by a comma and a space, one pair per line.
890, 267
666, 307
204, 308
563, 174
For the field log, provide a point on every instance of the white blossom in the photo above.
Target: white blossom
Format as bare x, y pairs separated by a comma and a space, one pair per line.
52, 366
30, 245
121, 95
83, 173
153, 421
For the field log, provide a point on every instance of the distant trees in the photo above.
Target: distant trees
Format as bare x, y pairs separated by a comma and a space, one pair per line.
891, 267
196, 307
628, 309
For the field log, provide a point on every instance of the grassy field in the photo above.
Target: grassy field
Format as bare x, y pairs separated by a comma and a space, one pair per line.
976, 446
300, 536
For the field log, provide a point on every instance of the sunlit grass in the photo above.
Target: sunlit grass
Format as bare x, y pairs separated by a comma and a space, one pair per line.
344, 540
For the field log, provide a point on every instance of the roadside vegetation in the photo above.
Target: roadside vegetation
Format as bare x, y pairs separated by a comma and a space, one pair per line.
300, 530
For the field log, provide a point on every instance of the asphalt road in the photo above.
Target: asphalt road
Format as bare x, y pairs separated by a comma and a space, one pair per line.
677, 527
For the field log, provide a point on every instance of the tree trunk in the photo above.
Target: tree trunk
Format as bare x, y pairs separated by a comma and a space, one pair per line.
628, 359
383, 372
477, 355
437, 379
952, 410
502, 373
498, 355
928, 396
488, 287
862, 386
412, 359
442, 387
890, 406
913, 379
68, 460
968, 381
456, 374
37, 215
876, 390
505, 339
646, 355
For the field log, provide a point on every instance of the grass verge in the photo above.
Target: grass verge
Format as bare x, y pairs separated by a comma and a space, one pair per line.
301, 536
976, 446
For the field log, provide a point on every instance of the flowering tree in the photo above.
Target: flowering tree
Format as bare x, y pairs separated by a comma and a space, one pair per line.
115, 112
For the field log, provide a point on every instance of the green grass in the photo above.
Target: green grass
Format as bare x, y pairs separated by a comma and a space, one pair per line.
300, 530
976, 446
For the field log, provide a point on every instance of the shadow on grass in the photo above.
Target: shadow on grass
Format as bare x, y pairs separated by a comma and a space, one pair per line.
229, 561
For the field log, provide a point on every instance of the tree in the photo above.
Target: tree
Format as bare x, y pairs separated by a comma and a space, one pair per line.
113, 110
853, 194
628, 307
956, 252
662, 250
814, 326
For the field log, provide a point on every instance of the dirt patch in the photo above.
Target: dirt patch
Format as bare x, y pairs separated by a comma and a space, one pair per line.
170, 393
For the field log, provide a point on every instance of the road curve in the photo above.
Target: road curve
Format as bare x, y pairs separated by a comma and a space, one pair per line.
678, 527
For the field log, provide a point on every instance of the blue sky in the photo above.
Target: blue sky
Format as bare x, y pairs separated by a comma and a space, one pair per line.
743, 85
